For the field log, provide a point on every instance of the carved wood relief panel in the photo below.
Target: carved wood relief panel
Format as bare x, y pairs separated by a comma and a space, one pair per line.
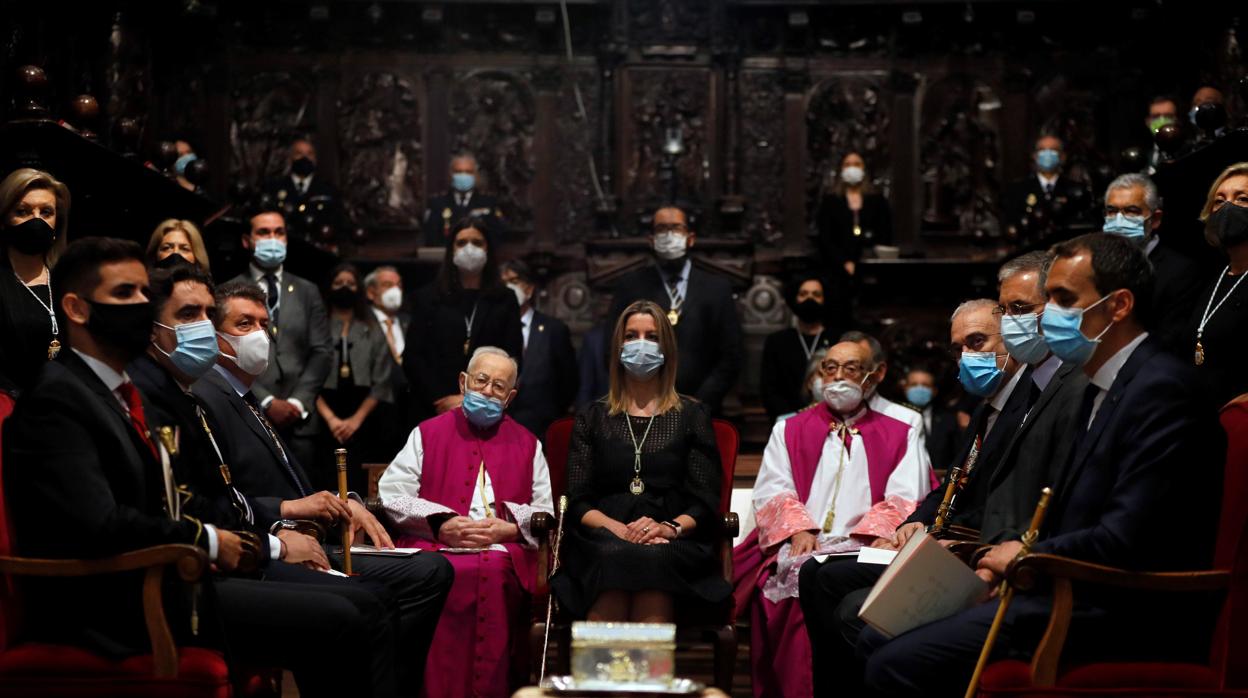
762, 154
959, 156
267, 110
492, 114
847, 113
380, 148
575, 195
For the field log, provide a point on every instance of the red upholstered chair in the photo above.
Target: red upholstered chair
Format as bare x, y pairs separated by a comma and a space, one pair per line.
695, 623
29, 668
1226, 673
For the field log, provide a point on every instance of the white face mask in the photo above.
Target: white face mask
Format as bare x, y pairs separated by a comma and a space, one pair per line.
853, 175
470, 258
392, 299
251, 351
670, 245
521, 296
842, 396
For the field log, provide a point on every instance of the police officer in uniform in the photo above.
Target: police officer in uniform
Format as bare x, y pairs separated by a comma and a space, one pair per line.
462, 201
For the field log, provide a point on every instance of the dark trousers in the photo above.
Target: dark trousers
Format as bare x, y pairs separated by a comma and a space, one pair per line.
831, 594
334, 634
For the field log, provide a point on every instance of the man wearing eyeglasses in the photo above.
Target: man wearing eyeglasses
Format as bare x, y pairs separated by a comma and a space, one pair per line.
834, 477
698, 304
469, 481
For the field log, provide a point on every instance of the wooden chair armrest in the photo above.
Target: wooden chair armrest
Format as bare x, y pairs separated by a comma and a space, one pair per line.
732, 525
542, 524
1025, 572
190, 562
965, 549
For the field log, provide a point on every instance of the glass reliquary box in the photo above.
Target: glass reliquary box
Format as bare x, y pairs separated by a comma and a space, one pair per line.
611, 654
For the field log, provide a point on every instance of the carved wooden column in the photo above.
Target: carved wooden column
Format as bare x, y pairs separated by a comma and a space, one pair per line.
1016, 132
437, 131
906, 198
546, 82
796, 80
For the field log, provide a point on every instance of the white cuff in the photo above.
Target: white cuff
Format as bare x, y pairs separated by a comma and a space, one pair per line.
211, 532
264, 404
303, 414
275, 547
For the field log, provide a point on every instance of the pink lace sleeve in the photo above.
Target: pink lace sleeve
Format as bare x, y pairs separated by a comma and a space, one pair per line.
781, 517
884, 518
410, 515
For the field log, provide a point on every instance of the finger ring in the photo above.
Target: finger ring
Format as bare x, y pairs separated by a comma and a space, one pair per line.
645, 529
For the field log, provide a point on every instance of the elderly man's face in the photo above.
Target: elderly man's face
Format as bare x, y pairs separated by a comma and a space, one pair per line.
1131, 202
976, 330
848, 361
491, 375
1021, 294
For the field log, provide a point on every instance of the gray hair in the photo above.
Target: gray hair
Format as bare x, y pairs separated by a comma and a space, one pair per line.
877, 351
1037, 261
974, 304
1134, 179
493, 351
371, 279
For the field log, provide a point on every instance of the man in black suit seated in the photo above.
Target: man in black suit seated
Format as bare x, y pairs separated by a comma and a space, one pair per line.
307, 200
462, 201
1133, 210
1135, 492
940, 424
302, 353
264, 468
86, 480
550, 377
698, 303
1018, 443
1040, 208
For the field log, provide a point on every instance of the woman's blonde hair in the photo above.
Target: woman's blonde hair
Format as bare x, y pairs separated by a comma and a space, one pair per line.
192, 234
27, 179
617, 402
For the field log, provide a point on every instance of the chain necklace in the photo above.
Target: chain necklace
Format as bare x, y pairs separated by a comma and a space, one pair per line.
54, 347
1208, 314
637, 486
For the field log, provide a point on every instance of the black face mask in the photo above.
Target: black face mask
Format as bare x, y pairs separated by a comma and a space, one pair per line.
126, 327
809, 310
342, 297
303, 167
1227, 226
32, 237
173, 261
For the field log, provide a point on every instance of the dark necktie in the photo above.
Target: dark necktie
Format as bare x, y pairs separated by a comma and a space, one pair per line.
272, 297
254, 406
1085, 413
134, 404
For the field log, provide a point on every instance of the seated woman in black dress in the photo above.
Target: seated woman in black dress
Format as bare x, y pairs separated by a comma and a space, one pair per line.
643, 487
34, 214
853, 218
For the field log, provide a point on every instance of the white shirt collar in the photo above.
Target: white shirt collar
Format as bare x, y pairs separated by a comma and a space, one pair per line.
233, 380
1045, 371
1003, 395
302, 183
1047, 180
257, 274
382, 316
1108, 373
526, 318
1153, 242
112, 379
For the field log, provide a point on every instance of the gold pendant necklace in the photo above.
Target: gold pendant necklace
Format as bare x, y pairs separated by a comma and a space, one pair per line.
637, 486
54, 346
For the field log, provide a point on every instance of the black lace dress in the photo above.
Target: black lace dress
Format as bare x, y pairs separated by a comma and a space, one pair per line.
681, 471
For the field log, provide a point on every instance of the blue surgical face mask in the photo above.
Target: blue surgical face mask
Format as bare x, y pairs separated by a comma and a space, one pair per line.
1021, 334
1130, 227
1063, 333
979, 374
196, 351
482, 412
463, 182
180, 164
1048, 159
270, 253
642, 358
919, 395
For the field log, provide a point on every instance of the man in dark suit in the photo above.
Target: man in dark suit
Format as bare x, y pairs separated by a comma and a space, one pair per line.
1040, 208
698, 303
549, 381
1143, 444
462, 201
940, 424
384, 288
88, 467
307, 200
307, 604
302, 351
264, 467
1133, 210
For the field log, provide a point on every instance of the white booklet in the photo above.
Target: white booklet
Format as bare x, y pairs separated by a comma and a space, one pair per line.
361, 549
864, 555
924, 583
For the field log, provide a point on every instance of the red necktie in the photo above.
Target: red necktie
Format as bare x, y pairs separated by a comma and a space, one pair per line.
134, 403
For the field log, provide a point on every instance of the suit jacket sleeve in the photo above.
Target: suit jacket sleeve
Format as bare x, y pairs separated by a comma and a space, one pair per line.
320, 352
513, 341
565, 363
724, 374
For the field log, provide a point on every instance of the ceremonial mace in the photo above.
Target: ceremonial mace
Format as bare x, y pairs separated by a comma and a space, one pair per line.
1007, 591
550, 601
341, 456
942, 514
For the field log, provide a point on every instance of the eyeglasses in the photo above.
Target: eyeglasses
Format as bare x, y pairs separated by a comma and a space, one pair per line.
1015, 308
851, 369
480, 382
973, 342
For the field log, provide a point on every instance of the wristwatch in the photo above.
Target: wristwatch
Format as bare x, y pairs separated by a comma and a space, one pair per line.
674, 526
